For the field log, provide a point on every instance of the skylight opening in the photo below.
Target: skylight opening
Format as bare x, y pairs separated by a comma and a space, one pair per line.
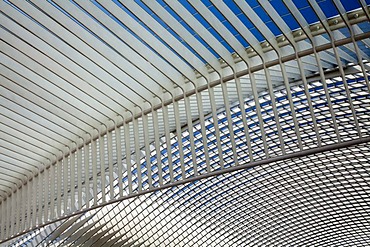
125, 27
206, 24
188, 28
163, 24
244, 19
156, 35
227, 24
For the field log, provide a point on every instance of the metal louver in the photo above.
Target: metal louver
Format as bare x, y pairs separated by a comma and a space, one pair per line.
184, 123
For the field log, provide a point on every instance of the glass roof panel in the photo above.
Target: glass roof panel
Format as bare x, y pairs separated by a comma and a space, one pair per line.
236, 186
327, 6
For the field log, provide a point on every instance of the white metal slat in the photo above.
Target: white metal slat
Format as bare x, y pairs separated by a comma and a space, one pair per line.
147, 150
191, 134
20, 147
145, 35
341, 70
66, 183
201, 31
302, 22
29, 131
365, 8
4, 193
321, 15
47, 193
244, 117
216, 126
90, 53
12, 214
2, 219
31, 107
30, 122
119, 158
36, 72
210, 59
102, 166
53, 195
189, 115
309, 61
18, 216
32, 112
7, 184
79, 177
200, 109
145, 18
34, 200
59, 188
183, 33
255, 45
128, 156
42, 92
18, 208
110, 163
13, 182
157, 147
203, 128
167, 37
129, 50
94, 164
16, 172
40, 193
86, 174
229, 120
233, 42
179, 137
135, 76
72, 156
46, 101
178, 126
167, 128
24, 204
268, 35
281, 24
12, 156
8, 216
200, 101
156, 68
220, 28
358, 30
168, 142
14, 133
203, 131
359, 53
344, 55
62, 48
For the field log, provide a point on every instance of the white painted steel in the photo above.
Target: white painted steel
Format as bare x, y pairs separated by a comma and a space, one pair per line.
103, 101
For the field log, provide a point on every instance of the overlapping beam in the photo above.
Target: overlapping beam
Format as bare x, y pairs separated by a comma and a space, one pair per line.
108, 97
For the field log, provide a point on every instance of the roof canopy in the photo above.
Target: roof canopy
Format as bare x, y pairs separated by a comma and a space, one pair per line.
211, 106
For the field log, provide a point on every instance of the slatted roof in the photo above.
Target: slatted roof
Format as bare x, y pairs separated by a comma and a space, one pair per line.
305, 198
158, 93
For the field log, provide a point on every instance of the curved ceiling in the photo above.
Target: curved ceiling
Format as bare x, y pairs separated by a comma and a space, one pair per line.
125, 98
318, 199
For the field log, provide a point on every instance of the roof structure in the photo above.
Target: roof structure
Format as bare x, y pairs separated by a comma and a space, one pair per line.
184, 123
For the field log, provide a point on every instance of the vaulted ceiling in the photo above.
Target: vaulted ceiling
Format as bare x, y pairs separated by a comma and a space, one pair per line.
184, 122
